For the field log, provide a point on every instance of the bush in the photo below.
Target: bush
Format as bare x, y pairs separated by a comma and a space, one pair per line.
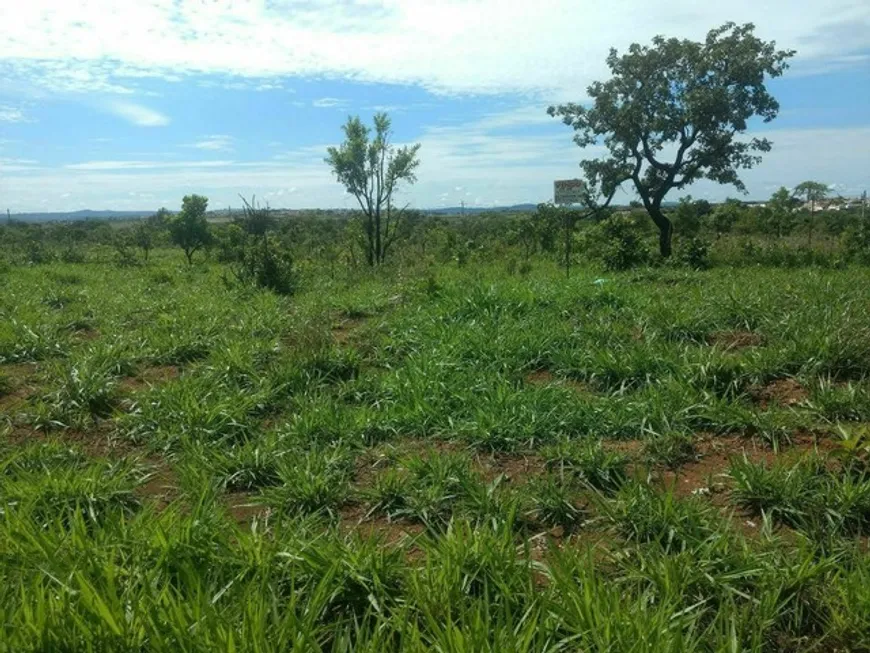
72, 255
695, 254
856, 243
265, 263
255, 257
618, 243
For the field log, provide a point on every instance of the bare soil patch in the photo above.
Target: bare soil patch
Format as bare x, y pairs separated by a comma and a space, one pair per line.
149, 377
244, 508
354, 518
734, 340
21, 379
541, 377
782, 392
343, 333
546, 377
707, 475
84, 333
162, 485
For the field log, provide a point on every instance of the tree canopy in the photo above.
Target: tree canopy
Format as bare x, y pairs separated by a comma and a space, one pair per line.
188, 228
371, 169
811, 192
673, 112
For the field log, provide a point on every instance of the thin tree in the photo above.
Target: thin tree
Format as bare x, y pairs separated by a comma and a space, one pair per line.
672, 114
811, 192
371, 169
781, 208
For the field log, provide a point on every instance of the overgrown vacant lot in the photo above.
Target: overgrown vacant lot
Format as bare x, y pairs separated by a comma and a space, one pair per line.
463, 459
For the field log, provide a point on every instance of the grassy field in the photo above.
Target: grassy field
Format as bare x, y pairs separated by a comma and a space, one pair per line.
460, 459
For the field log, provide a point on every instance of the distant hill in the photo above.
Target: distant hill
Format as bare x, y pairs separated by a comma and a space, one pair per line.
87, 214
84, 214
458, 210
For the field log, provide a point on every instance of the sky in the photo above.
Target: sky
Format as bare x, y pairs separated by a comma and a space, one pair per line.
132, 104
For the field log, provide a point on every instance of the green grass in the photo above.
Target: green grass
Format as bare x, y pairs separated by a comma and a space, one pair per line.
451, 458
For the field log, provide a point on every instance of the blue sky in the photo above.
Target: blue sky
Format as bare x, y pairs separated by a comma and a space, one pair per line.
123, 104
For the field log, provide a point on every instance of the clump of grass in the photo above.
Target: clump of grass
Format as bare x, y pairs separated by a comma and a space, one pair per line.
41, 458
97, 492
241, 467
806, 495
845, 401
553, 501
643, 514
672, 449
587, 462
435, 488
468, 563
389, 493
85, 390
312, 482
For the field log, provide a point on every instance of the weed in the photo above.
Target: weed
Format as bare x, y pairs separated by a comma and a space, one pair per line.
672, 449
588, 462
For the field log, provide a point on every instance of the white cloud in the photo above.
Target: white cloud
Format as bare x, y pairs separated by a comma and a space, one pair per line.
137, 114
17, 165
328, 103
551, 46
144, 165
214, 142
12, 114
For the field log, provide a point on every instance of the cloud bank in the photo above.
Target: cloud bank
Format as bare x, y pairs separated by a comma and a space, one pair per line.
449, 46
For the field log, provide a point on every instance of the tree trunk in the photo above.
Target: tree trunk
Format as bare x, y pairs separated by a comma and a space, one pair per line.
666, 229
379, 247
567, 247
370, 245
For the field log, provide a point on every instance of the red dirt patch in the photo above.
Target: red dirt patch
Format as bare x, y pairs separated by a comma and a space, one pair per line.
546, 377
354, 518
161, 486
244, 509
706, 476
783, 392
630, 448
344, 331
541, 377
85, 333
514, 467
732, 340
99, 441
150, 377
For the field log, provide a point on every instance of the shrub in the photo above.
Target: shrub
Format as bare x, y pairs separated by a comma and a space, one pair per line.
255, 257
265, 264
856, 242
618, 243
72, 255
695, 254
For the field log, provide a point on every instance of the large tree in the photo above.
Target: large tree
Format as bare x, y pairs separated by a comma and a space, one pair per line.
673, 112
371, 169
